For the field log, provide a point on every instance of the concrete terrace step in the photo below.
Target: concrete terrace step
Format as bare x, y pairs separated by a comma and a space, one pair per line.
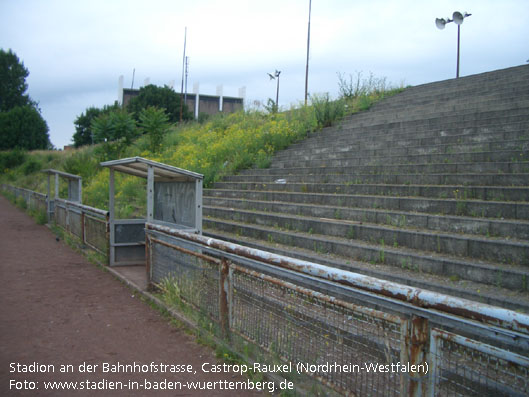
478, 96
519, 179
506, 167
350, 151
473, 122
476, 121
494, 249
419, 115
451, 285
348, 159
470, 86
426, 136
490, 199
460, 206
514, 277
430, 187
440, 109
401, 219
331, 143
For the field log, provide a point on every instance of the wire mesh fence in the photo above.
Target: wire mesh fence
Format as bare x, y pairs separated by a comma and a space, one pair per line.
95, 233
324, 337
351, 348
87, 223
34, 200
463, 367
197, 278
61, 215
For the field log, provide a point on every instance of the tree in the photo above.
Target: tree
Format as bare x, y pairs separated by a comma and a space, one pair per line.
160, 97
23, 127
21, 124
84, 134
12, 81
116, 129
154, 122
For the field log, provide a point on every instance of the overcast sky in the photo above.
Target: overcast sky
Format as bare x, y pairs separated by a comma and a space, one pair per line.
75, 50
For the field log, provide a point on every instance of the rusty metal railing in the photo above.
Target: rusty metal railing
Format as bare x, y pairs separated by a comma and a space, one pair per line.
87, 223
34, 200
377, 337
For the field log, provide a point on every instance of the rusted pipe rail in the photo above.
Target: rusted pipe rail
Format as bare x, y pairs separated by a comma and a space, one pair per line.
84, 207
483, 313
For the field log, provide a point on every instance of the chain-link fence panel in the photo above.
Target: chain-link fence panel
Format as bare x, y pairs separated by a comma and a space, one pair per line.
345, 346
197, 278
95, 233
464, 367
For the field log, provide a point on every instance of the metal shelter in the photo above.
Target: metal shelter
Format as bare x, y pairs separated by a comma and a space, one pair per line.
74, 188
174, 199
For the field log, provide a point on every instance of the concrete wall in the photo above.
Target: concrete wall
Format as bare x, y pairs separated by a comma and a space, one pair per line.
208, 104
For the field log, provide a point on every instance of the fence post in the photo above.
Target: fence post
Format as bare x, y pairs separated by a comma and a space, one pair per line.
224, 288
107, 236
82, 227
148, 260
67, 209
414, 355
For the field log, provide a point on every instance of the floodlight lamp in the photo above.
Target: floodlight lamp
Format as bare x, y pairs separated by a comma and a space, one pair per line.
458, 17
440, 23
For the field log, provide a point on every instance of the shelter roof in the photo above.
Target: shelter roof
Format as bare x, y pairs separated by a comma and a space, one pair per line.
61, 173
139, 166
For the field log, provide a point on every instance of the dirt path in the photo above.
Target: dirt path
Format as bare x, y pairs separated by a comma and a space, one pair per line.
57, 309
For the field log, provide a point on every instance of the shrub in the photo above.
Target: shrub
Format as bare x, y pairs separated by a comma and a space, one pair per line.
326, 110
11, 159
155, 123
82, 163
117, 130
30, 166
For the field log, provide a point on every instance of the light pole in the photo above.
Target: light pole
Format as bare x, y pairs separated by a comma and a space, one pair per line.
307, 65
274, 77
458, 19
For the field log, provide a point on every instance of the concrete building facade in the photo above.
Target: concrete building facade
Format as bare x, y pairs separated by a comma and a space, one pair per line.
207, 104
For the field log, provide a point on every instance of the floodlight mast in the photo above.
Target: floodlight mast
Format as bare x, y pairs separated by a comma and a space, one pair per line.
275, 76
307, 65
458, 19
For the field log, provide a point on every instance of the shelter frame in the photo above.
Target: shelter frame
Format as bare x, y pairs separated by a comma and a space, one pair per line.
174, 198
74, 189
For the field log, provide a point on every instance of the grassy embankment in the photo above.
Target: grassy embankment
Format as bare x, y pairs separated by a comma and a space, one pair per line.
222, 145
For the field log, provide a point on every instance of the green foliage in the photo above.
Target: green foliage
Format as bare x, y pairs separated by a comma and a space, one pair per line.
123, 126
21, 203
228, 143
116, 129
11, 159
222, 145
21, 124
13, 85
160, 97
102, 128
170, 291
361, 93
361, 86
84, 134
271, 106
83, 163
31, 166
154, 122
327, 111
23, 127
40, 216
